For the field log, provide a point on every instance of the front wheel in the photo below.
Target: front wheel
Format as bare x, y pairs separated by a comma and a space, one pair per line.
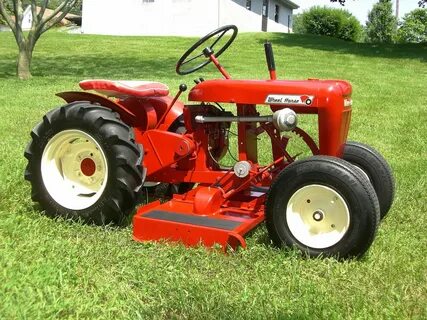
83, 163
323, 207
374, 167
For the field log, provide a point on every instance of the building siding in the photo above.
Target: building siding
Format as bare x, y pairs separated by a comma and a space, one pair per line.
175, 17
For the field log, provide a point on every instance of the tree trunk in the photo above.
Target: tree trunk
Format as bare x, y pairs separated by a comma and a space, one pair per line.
24, 64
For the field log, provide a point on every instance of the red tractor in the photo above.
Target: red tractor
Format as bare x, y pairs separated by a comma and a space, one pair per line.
94, 157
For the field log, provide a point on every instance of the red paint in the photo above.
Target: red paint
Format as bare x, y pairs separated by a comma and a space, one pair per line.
126, 88
273, 75
88, 167
193, 155
219, 67
148, 229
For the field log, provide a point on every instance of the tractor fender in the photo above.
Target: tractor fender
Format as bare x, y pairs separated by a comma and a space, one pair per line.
126, 115
141, 114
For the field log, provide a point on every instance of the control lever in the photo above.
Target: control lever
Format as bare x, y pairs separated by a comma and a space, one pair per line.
270, 60
182, 88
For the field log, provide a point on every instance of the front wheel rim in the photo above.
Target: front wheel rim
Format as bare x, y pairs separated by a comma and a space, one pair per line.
74, 169
317, 216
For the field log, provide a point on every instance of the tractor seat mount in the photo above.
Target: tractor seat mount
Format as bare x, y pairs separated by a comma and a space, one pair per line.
126, 88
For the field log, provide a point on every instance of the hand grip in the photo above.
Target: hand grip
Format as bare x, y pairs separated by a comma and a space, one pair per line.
269, 56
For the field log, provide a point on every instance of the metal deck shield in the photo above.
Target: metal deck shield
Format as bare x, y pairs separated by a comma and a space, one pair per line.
175, 220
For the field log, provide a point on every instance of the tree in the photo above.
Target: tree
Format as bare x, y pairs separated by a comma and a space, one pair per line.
12, 12
342, 2
382, 24
421, 3
414, 27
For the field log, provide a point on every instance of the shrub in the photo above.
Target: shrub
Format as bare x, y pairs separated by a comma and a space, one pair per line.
331, 22
382, 24
414, 27
297, 25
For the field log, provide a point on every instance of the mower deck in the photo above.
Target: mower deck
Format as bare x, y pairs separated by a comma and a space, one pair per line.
176, 220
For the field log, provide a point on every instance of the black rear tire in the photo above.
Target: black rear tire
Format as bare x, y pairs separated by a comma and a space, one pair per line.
323, 207
376, 168
114, 198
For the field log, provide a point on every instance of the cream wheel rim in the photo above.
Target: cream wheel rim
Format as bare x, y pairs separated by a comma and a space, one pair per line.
74, 169
317, 216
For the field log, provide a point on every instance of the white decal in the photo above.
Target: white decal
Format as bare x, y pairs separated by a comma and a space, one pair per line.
303, 100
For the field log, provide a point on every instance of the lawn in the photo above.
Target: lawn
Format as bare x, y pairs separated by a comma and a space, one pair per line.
59, 269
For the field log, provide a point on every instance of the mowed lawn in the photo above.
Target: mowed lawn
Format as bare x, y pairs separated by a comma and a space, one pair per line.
60, 269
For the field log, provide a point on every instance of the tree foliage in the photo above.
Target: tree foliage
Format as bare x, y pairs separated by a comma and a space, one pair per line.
342, 2
329, 22
297, 25
12, 11
381, 26
414, 27
421, 3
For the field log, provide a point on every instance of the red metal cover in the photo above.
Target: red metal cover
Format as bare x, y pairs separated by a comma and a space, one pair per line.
258, 91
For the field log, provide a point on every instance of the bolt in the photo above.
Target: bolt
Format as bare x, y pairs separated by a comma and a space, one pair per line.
318, 215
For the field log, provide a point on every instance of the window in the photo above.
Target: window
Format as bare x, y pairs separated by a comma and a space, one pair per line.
276, 13
248, 4
265, 8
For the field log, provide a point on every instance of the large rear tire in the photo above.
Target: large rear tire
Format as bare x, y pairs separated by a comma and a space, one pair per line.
376, 169
84, 164
323, 207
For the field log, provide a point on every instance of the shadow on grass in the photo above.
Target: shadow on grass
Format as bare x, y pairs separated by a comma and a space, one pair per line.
95, 66
98, 61
392, 51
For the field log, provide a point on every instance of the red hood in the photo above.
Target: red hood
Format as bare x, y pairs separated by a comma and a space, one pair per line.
257, 91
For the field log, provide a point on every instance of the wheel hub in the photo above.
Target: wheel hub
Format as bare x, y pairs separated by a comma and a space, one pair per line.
88, 167
317, 216
74, 169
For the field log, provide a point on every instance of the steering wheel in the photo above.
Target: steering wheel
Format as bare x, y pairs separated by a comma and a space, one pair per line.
220, 32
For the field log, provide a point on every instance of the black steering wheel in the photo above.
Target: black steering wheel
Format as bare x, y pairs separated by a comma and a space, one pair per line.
219, 33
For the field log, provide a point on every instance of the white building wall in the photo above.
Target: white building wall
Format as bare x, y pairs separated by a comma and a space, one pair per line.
175, 17
231, 12
139, 17
284, 13
257, 6
27, 19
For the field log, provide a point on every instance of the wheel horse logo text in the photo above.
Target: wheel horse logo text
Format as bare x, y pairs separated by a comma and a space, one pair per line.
289, 99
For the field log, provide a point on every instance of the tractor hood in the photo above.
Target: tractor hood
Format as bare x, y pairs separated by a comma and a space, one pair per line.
312, 92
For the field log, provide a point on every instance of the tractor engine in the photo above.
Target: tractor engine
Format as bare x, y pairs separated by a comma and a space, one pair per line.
215, 133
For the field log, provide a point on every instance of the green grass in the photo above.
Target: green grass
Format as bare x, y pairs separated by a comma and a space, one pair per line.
59, 269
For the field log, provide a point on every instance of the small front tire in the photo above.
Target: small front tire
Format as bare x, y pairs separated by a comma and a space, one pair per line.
323, 207
373, 165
